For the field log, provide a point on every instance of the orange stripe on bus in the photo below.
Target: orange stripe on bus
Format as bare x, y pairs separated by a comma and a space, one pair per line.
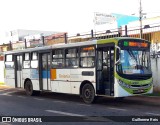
53, 74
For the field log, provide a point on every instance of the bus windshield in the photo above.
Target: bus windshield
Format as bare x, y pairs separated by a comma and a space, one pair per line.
134, 62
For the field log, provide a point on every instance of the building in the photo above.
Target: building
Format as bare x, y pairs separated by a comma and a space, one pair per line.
150, 31
21, 38
55, 38
20, 34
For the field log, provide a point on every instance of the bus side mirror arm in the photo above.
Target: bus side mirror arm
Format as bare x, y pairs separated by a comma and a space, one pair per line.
118, 61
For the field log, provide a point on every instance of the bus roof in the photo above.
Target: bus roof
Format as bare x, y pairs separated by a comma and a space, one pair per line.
28, 50
92, 42
61, 45
119, 38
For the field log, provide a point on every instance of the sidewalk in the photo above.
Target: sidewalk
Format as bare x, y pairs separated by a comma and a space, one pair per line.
145, 98
4, 87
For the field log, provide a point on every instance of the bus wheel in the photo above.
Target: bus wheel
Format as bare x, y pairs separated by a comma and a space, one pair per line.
88, 93
29, 88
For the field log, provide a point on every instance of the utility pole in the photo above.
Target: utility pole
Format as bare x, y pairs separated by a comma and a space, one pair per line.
140, 18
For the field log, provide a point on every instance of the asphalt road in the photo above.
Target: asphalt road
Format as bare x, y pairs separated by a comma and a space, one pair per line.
70, 109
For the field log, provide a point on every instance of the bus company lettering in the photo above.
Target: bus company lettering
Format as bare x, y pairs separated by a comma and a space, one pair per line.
64, 76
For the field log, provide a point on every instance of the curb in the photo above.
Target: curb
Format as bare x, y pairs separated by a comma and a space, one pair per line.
3, 85
155, 99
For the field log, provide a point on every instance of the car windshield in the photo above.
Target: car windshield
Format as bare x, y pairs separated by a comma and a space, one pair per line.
134, 62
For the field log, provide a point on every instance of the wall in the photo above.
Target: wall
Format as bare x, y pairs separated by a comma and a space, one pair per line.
54, 41
156, 73
155, 37
2, 72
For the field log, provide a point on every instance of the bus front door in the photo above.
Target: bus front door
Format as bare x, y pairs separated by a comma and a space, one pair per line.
45, 71
105, 70
18, 70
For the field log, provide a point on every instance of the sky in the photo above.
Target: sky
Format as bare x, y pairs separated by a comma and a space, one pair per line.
72, 16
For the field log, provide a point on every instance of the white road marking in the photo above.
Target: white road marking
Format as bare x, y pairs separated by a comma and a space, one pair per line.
8, 93
3, 90
38, 99
21, 96
59, 101
149, 113
83, 104
117, 109
5, 94
63, 113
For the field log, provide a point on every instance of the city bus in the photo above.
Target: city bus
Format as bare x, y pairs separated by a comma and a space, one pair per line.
116, 67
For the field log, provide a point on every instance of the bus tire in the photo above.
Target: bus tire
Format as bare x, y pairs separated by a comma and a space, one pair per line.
29, 88
88, 93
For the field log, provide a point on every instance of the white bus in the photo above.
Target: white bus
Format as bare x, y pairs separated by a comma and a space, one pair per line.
116, 67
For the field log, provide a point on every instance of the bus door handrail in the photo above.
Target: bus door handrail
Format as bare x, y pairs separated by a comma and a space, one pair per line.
119, 55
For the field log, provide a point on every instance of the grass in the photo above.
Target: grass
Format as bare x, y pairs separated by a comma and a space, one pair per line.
1, 83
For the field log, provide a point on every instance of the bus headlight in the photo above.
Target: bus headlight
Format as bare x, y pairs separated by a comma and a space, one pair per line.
123, 84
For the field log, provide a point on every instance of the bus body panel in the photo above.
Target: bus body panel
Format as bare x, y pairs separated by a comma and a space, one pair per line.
75, 87
151, 90
35, 84
46, 84
55, 86
19, 79
79, 75
119, 91
10, 77
69, 80
46, 80
33, 75
63, 78
122, 91
64, 87
26, 74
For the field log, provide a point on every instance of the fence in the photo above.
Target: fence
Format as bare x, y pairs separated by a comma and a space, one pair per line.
149, 33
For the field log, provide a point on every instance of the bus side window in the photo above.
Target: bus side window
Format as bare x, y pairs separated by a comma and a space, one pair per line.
99, 61
34, 61
9, 64
87, 57
26, 62
58, 59
71, 58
